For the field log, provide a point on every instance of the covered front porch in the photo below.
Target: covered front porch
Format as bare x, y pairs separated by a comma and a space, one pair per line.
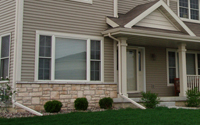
159, 58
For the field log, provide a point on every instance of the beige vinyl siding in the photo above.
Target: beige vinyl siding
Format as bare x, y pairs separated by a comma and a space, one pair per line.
126, 5
156, 72
156, 20
7, 26
64, 17
109, 60
173, 6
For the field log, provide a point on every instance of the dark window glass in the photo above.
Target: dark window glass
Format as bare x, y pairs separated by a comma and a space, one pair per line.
4, 57
44, 58
95, 60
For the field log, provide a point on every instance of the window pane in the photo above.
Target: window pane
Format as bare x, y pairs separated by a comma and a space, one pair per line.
44, 69
183, 12
195, 14
172, 74
95, 70
95, 49
45, 46
190, 62
70, 59
194, 4
5, 46
4, 68
172, 61
183, 3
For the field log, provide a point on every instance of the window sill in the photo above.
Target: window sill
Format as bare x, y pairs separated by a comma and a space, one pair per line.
170, 85
189, 20
63, 83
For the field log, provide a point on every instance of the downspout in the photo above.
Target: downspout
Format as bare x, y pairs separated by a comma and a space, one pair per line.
120, 75
16, 44
115, 6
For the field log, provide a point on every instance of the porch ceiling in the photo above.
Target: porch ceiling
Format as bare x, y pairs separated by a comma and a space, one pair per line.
151, 38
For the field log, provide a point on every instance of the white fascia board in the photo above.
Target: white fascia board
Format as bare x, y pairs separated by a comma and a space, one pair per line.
111, 23
143, 15
136, 32
178, 20
154, 7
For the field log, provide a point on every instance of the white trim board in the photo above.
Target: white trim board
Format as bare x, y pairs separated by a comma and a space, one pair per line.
154, 7
84, 1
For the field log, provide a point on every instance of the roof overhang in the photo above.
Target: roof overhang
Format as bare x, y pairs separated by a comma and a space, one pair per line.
127, 32
160, 4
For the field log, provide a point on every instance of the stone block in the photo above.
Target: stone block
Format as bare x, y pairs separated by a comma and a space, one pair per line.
76, 87
93, 86
35, 100
47, 89
45, 86
99, 92
73, 92
35, 85
35, 89
55, 95
26, 85
74, 96
29, 90
18, 86
88, 97
86, 87
80, 94
36, 94
22, 89
23, 94
65, 96
88, 92
63, 92
113, 94
57, 88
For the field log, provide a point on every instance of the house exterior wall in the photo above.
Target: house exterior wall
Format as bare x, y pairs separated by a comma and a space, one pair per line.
156, 72
7, 26
65, 17
35, 96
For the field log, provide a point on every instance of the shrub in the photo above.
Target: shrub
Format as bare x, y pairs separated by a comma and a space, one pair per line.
106, 103
53, 106
193, 98
150, 100
81, 104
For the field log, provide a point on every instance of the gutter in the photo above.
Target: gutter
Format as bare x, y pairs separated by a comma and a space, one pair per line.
120, 75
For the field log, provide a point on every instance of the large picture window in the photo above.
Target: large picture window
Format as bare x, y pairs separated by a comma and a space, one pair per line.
4, 56
68, 58
189, 9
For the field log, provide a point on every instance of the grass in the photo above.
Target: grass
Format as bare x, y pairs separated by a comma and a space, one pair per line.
158, 116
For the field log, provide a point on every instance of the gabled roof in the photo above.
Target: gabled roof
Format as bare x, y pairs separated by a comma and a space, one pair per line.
138, 13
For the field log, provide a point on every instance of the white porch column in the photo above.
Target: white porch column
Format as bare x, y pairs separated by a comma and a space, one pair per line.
123, 66
182, 69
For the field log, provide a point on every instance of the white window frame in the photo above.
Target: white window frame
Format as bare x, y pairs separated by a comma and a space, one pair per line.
84, 1
72, 36
176, 61
189, 13
9, 34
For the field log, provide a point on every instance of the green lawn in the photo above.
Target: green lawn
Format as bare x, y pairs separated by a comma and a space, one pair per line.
162, 116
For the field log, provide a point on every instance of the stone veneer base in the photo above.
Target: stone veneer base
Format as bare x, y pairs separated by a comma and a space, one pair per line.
35, 96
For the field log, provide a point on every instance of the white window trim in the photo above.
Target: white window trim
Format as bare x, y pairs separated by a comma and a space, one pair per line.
84, 1
8, 34
188, 19
176, 61
72, 36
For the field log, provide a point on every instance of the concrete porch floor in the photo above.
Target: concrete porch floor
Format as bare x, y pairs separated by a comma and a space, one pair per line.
164, 101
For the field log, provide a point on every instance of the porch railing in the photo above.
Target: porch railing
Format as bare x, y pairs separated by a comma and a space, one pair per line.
193, 81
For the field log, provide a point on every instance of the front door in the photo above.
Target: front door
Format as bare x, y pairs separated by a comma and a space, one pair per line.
131, 70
